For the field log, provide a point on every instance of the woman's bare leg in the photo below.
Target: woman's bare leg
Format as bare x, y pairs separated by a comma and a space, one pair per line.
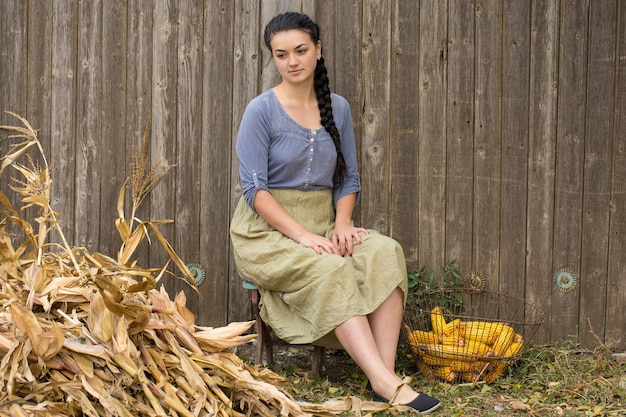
357, 338
385, 323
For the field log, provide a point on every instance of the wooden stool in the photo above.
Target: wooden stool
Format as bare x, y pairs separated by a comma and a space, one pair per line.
264, 337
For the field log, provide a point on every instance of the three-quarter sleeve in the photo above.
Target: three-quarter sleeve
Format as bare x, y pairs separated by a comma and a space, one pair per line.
351, 181
253, 143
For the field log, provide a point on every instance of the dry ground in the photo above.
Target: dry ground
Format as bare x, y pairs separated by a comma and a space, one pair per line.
559, 380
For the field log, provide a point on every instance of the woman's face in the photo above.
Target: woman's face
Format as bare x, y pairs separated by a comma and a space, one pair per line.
295, 55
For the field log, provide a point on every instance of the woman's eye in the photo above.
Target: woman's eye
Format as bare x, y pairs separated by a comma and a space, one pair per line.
301, 51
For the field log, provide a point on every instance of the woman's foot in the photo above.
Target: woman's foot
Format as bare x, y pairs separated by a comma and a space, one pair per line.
423, 403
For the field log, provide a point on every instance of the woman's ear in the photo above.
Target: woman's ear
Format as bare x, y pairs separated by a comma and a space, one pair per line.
319, 49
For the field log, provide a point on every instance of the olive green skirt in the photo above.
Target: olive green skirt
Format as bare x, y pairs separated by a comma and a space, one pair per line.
305, 296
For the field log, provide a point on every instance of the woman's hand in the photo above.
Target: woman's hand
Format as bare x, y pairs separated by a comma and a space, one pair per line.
345, 236
318, 243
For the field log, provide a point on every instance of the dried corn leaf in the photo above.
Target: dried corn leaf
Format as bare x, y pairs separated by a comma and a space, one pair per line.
84, 334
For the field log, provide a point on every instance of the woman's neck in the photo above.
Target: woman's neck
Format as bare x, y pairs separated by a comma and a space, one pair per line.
295, 94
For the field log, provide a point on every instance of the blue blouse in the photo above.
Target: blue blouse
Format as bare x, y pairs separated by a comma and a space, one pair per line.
276, 152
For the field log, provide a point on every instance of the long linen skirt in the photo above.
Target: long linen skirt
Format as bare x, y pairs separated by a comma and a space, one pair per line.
305, 296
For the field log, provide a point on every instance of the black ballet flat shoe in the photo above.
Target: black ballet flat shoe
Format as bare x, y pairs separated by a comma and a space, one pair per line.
423, 403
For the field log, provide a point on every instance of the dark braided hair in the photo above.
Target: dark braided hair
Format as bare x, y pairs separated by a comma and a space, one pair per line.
293, 20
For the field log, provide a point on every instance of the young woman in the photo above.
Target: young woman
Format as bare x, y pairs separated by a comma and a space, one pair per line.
319, 275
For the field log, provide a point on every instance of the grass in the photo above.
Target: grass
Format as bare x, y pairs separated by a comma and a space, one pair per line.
556, 380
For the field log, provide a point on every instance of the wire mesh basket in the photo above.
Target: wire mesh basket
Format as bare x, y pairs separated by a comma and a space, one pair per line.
468, 336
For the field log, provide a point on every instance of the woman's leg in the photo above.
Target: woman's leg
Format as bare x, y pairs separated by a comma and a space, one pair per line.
357, 338
385, 323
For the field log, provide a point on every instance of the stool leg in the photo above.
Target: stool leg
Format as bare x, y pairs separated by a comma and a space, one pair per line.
259, 328
264, 339
317, 361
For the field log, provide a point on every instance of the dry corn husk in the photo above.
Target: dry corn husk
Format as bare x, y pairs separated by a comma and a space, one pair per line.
83, 334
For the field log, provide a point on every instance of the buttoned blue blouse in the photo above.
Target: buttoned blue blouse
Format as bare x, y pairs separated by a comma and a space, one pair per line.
276, 152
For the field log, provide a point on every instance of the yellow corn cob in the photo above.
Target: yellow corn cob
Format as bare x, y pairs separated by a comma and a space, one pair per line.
434, 360
463, 353
518, 338
467, 366
481, 331
420, 337
494, 373
503, 341
474, 347
452, 327
514, 348
446, 373
452, 339
471, 376
438, 321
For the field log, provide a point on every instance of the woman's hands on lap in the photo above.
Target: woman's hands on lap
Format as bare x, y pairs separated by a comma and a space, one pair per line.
345, 236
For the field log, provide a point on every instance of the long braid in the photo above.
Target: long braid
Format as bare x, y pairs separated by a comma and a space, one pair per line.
324, 102
292, 20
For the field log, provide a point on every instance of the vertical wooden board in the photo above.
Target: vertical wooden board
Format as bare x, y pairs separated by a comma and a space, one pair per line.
376, 142
616, 296
13, 53
404, 129
569, 163
269, 9
62, 129
216, 162
113, 105
432, 82
541, 155
89, 126
39, 70
246, 68
188, 142
13, 77
460, 133
163, 132
341, 24
597, 180
515, 96
138, 93
488, 142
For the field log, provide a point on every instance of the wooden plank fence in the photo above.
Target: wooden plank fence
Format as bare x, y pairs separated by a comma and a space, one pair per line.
489, 132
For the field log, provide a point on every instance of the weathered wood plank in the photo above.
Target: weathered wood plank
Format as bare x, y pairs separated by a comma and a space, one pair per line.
616, 296
39, 70
541, 155
215, 169
246, 67
597, 181
404, 130
89, 127
13, 59
163, 107
432, 81
459, 207
113, 113
62, 155
569, 162
375, 140
487, 142
514, 191
341, 26
13, 80
188, 141
139, 91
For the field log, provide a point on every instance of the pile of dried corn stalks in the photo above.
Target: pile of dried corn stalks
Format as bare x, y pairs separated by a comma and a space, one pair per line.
85, 334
